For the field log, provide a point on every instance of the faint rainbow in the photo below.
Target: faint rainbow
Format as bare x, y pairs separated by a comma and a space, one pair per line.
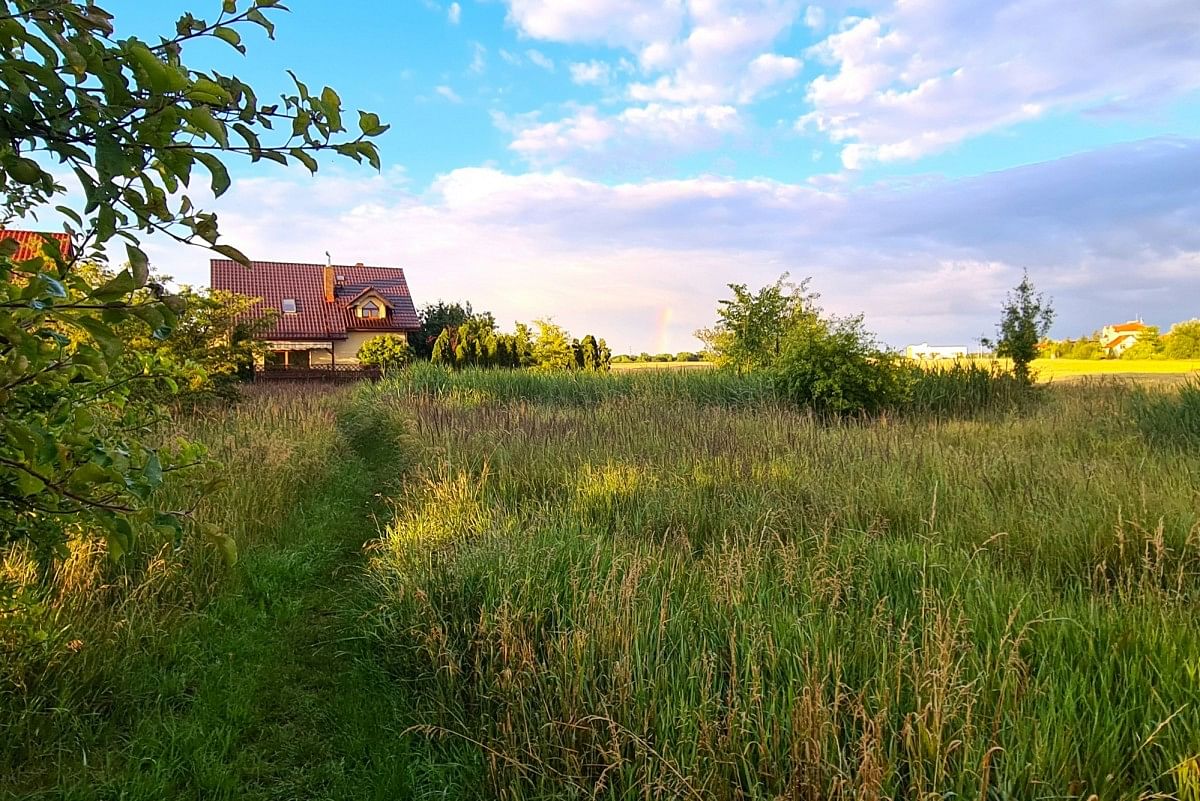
664, 323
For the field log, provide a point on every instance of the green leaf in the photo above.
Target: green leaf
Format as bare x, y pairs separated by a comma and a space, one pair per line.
117, 288
220, 175
139, 265
89, 474
29, 484
369, 124
202, 119
226, 544
258, 18
153, 472
304, 158
230, 252
333, 108
51, 286
24, 171
108, 341
230, 36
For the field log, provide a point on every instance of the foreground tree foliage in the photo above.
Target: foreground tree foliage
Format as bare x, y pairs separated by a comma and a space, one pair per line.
128, 124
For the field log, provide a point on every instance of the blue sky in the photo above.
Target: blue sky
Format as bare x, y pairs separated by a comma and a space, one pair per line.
614, 163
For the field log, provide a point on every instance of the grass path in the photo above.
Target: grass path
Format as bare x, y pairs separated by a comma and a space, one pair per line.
270, 692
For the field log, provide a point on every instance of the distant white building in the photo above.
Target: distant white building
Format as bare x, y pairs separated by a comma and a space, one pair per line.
1116, 339
927, 351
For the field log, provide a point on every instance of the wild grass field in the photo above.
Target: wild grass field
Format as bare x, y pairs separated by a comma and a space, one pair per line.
493, 584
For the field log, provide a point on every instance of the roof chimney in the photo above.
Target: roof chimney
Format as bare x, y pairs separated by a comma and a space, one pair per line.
328, 284
360, 264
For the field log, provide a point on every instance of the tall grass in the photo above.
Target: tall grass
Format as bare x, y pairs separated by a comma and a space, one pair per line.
66, 654
963, 388
1170, 419
957, 389
578, 388
653, 597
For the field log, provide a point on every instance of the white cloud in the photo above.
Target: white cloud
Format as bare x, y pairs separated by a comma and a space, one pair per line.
478, 58
637, 127
591, 73
924, 75
622, 23
695, 56
725, 55
454, 13
539, 59
449, 94
814, 17
1109, 234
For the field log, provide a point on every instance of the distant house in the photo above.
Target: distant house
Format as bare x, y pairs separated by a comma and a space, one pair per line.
927, 351
1116, 339
31, 244
323, 312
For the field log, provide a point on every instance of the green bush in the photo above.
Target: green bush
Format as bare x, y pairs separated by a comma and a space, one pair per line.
835, 367
387, 352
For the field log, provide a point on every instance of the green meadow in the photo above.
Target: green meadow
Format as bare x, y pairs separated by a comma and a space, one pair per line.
499, 584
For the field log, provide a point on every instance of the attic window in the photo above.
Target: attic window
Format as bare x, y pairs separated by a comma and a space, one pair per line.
289, 305
368, 310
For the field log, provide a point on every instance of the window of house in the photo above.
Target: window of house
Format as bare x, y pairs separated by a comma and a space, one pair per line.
289, 305
368, 310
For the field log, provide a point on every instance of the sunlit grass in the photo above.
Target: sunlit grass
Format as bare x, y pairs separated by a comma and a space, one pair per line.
646, 595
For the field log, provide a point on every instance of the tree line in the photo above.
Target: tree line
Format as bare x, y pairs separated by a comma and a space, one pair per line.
455, 335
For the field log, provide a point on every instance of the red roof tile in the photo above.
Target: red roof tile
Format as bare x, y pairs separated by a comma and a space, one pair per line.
316, 318
1130, 326
1115, 341
30, 243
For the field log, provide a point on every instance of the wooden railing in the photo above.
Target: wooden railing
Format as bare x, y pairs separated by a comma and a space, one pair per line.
317, 372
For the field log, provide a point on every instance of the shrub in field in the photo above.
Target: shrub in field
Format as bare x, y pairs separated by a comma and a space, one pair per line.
386, 352
835, 367
1170, 420
1024, 322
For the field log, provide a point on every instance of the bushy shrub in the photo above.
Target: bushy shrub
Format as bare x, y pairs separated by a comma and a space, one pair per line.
835, 367
387, 352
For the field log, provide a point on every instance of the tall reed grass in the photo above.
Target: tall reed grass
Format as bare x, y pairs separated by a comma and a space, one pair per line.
646, 596
1170, 419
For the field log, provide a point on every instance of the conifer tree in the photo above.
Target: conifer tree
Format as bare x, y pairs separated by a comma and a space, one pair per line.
605, 356
589, 354
442, 352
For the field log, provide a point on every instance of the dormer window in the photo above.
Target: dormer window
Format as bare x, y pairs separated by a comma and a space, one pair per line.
369, 310
289, 305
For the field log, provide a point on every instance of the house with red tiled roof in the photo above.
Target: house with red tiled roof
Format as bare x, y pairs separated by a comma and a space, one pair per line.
31, 244
1120, 337
323, 312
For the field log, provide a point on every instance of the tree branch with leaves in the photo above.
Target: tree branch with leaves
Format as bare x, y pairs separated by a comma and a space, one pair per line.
113, 134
